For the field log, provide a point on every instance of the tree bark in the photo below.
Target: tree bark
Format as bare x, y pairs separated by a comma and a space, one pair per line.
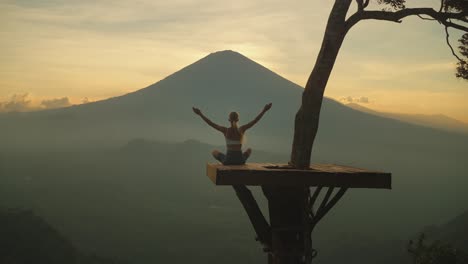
307, 118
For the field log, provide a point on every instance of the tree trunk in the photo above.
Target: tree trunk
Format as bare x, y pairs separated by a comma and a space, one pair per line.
307, 118
290, 224
289, 233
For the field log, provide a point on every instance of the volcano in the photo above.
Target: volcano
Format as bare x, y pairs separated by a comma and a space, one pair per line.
219, 83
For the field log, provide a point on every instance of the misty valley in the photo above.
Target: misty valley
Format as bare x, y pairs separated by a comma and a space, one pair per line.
123, 180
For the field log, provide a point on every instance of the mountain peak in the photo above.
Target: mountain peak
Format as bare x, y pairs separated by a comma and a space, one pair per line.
226, 53
228, 56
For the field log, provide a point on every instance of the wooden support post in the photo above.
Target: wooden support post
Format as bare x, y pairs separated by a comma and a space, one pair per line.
287, 219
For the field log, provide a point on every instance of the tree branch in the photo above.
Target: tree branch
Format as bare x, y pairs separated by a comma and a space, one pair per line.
425, 18
453, 25
366, 3
360, 4
447, 39
397, 16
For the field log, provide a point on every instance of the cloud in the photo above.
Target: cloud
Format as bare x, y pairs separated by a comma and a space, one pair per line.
25, 103
347, 99
17, 103
359, 100
55, 103
363, 100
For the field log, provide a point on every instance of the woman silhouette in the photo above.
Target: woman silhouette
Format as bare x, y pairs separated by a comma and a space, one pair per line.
234, 136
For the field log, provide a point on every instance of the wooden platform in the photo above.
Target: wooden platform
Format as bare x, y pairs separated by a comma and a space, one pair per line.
327, 175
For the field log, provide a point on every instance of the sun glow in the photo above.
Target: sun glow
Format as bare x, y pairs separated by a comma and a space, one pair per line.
56, 50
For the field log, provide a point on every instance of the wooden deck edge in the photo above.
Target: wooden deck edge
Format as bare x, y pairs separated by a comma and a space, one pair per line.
245, 175
211, 172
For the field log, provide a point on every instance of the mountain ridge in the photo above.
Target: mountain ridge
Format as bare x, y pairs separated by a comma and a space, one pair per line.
219, 83
438, 121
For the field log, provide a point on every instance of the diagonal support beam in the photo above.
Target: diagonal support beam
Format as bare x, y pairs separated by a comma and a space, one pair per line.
259, 223
326, 206
312, 200
325, 199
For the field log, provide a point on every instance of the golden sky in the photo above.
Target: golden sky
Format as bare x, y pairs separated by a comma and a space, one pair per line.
60, 52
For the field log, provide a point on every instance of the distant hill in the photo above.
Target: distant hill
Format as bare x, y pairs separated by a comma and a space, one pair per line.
371, 250
25, 238
454, 231
435, 121
148, 201
145, 201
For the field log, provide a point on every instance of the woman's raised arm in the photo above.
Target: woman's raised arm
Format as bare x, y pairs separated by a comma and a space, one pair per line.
259, 116
208, 121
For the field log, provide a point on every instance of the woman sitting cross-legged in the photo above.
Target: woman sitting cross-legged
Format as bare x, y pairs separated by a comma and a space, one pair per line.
234, 137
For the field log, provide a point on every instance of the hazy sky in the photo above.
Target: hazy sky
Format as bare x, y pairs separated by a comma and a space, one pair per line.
57, 52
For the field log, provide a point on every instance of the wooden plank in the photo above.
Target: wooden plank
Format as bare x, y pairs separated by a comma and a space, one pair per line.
327, 175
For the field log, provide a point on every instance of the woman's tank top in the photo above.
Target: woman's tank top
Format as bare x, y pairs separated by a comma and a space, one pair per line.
234, 137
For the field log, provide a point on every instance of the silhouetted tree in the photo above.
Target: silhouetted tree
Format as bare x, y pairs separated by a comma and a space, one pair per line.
435, 252
462, 65
450, 14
